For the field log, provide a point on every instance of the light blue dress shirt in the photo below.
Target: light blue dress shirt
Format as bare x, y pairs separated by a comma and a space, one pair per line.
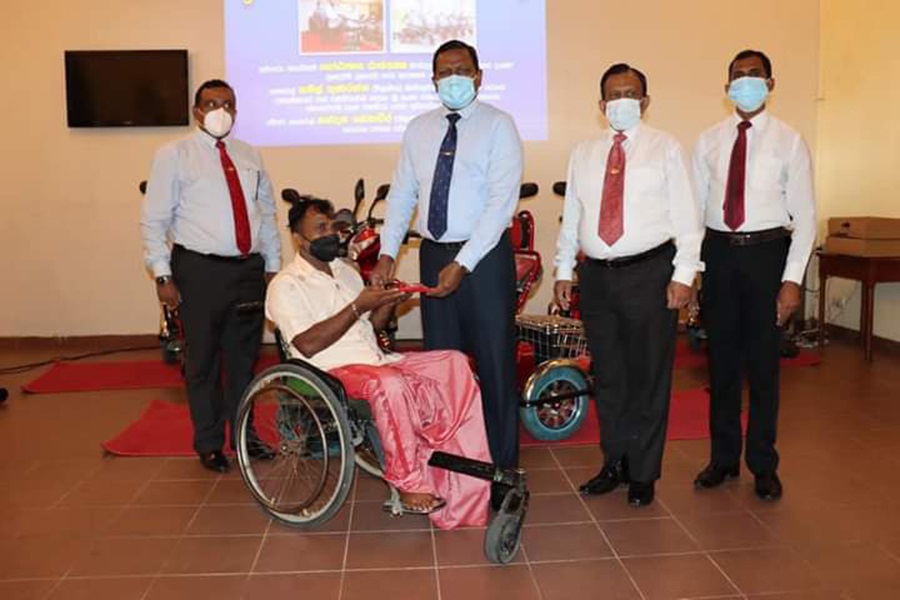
188, 203
484, 188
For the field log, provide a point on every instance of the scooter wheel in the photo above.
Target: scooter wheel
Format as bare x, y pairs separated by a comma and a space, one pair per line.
551, 420
502, 539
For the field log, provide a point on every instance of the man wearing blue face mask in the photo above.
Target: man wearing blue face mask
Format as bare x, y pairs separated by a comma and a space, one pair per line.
461, 165
630, 209
754, 181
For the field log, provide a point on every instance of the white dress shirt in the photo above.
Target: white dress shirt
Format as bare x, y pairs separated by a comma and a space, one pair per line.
188, 202
301, 296
779, 183
484, 187
658, 203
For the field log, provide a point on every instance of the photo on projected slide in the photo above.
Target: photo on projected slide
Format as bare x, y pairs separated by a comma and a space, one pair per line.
421, 25
341, 26
341, 72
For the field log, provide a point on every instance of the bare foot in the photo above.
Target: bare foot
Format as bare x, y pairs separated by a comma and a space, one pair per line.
418, 500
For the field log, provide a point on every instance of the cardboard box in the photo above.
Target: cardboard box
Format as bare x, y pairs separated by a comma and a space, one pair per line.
868, 228
857, 247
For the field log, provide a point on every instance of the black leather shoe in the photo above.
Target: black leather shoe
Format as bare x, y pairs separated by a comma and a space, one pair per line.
713, 475
768, 487
608, 479
640, 494
214, 461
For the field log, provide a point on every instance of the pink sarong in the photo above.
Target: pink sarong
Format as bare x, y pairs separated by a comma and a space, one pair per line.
425, 402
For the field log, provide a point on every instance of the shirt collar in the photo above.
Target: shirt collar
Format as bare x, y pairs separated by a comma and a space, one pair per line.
630, 134
464, 113
759, 121
208, 140
305, 269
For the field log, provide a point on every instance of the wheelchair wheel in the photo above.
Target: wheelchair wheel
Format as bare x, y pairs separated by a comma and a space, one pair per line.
549, 418
292, 412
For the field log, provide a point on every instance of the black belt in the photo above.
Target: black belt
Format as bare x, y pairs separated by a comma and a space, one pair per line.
216, 257
749, 238
448, 245
616, 263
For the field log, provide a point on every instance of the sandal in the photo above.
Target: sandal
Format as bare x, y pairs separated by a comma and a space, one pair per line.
399, 508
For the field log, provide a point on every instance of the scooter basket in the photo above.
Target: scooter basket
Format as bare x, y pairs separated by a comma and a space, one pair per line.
552, 336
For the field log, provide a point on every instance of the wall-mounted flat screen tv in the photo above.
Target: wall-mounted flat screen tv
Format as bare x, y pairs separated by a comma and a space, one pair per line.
127, 88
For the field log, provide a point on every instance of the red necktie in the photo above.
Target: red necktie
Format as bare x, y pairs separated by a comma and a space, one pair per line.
611, 209
734, 189
238, 204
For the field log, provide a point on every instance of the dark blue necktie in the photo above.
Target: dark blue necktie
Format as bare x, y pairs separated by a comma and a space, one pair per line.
440, 184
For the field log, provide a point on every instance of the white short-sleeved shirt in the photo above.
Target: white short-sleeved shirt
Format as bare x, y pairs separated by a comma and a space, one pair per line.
301, 296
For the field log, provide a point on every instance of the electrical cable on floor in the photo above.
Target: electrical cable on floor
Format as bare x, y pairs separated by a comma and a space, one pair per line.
16, 369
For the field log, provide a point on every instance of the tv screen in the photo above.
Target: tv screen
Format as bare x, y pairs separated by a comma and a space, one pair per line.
126, 88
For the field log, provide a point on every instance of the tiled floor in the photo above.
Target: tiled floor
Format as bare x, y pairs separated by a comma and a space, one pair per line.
76, 524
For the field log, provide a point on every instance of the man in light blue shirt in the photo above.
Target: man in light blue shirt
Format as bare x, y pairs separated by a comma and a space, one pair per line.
461, 166
211, 242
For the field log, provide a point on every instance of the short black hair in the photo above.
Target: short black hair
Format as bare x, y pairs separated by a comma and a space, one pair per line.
299, 209
619, 69
744, 54
454, 45
210, 85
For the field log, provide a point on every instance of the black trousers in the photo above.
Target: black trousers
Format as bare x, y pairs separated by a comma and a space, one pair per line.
220, 339
631, 336
479, 319
740, 290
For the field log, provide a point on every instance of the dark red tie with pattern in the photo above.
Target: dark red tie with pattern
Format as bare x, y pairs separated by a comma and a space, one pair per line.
734, 189
238, 204
611, 226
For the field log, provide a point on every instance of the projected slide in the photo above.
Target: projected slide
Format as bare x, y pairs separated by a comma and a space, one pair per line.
312, 72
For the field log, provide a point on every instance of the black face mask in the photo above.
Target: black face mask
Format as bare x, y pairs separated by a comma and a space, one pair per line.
326, 248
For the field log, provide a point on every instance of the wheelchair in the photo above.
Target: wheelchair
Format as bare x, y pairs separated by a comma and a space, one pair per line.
320, 436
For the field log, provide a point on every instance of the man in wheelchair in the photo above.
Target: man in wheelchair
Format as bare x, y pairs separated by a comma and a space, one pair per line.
421, 402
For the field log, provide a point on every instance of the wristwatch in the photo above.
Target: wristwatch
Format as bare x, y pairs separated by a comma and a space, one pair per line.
163, 279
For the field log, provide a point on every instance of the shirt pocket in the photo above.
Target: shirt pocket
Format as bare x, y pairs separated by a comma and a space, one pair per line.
249, 177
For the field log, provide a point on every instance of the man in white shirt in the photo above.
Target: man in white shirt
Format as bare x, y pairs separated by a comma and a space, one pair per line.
461, 165
628, 198
421, 402
754, 182
211, 241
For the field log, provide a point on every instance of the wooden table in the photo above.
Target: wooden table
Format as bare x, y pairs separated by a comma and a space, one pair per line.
869, 272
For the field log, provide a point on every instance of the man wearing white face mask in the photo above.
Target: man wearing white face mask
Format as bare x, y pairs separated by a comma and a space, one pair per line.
754, 181
630, 209
461, 164
211, 242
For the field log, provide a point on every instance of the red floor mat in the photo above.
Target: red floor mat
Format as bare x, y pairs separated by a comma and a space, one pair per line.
688, 420
145, 374
685, 358
165, 428
118, 375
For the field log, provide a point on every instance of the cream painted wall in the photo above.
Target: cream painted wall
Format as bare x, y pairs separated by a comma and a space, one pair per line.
858, 135
69, 237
